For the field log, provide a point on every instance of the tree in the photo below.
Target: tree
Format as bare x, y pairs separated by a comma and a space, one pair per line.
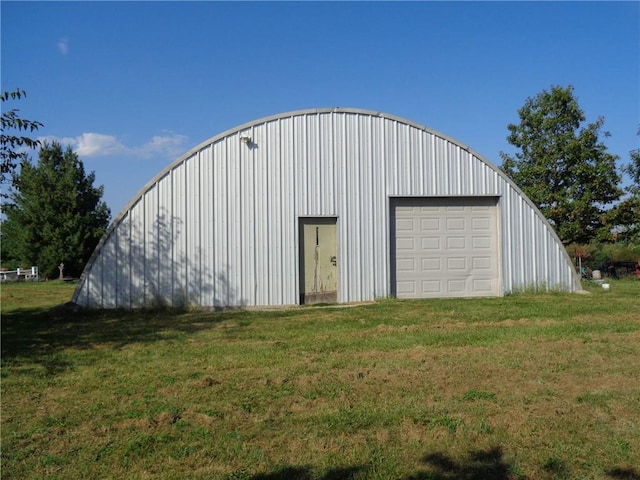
626, 215
56, 215
12, 143
563, 168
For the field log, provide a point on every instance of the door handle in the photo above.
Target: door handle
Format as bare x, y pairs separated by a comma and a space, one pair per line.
334, 261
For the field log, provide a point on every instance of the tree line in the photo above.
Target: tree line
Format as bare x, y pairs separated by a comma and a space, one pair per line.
562, 164
53, 213
564, 167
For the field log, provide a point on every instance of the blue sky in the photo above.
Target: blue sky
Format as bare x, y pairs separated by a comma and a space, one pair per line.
133, 85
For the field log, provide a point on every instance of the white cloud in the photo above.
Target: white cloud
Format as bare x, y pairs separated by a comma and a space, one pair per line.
171, 144
63, 46
101, 145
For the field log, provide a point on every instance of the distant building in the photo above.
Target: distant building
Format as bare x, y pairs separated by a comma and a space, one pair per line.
324, 205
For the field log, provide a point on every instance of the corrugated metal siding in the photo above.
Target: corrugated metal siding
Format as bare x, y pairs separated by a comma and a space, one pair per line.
219, 226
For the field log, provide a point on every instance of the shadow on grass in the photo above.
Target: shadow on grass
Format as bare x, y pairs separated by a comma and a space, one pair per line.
38, 334
478, 465
41, 334
624, 474
304, 473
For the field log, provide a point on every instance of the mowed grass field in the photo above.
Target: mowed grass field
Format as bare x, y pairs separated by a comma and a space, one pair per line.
527, 386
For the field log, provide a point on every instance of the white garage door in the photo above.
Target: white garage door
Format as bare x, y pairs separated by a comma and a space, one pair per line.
446, 247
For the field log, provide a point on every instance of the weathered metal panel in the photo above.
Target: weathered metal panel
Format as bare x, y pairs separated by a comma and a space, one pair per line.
205, 218
137, 253
150, 247
262, 200
380, 219
192, 258
94, 284
107, 260
179, 219
291, 274
219, 227
123, 262
271, 211
164, 242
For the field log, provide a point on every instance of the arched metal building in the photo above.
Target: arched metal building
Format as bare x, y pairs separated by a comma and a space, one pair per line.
336, 204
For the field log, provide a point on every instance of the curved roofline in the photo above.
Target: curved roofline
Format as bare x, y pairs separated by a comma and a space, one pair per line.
279, 116
270, 118
294, 113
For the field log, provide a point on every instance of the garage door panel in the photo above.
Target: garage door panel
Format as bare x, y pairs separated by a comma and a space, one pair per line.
480, 224
430, 243
405, 225
431, 286
483, 263
456, 243
430, 224
481, 243
458, 264
406, 265
488, 286
431, 265
405, 243
456, 224
406, 289
446, 250
456, 287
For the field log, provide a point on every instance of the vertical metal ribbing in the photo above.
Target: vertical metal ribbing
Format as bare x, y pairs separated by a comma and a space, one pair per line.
280, 213
172, 228
534, 252
116, 262
319, 167
545, 264
188, 222
373, 225
383, 255
206, 227
246, 203
254, 178
521, 243
507, 240
343, 266
214, 263
197, 240
431, 160
263, 295
293, 210
460, 174
337, 188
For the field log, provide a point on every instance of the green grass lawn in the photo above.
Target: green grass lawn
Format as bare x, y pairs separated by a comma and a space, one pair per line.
522, 387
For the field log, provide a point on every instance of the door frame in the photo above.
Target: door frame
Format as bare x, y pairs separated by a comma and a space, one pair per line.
301, 221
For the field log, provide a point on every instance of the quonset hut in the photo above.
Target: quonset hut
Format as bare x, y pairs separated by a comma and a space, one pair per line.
324, 205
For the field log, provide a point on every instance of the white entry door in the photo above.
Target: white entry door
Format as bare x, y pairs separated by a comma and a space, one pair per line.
445, 247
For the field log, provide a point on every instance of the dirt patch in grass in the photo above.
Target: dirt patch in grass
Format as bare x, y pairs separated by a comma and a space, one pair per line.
521, 322
384, 329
